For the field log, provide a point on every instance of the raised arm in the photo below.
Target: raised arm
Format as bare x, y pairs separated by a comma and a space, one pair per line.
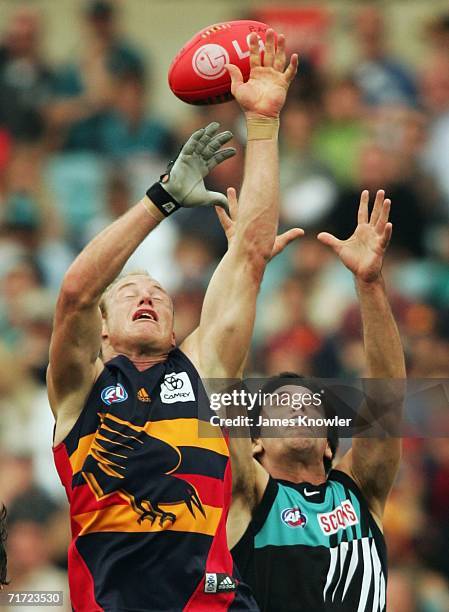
220, 344
76, 339
249, 478
373, 461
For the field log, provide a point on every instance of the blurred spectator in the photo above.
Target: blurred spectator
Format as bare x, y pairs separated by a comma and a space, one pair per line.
127, 131
31, 546
196, 260
381, 77
85, 91
437, 33
187, 303
377, 170
28, 222
435, 93
403, 132
25, 79
307, 183
340, 136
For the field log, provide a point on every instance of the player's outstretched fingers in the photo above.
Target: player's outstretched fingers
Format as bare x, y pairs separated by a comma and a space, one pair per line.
209, 132
386, 235
190, 145
268, 57
292, 68
220, 156
383, 217
330, 240
232, 202
362, 216
236, 76
378, 202
280, 58
254, 51
284, 239
225, 221
215, 143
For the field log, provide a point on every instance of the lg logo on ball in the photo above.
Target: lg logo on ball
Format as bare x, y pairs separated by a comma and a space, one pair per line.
209, 60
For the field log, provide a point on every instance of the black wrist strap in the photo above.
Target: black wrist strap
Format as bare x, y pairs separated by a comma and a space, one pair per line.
162, 199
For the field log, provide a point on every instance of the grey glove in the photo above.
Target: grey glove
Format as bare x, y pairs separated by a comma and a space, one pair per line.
183, 183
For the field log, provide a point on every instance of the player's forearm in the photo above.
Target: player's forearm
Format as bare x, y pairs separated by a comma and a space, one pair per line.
383, 347
103, 258
257, 221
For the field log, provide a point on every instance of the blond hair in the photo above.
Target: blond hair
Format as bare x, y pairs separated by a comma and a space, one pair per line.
119, 278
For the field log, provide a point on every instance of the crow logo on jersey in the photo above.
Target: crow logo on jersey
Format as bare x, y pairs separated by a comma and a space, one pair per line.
293, 517
114, 465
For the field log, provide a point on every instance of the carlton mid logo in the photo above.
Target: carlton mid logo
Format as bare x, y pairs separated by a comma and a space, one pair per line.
293, 517
113, 394
209, 61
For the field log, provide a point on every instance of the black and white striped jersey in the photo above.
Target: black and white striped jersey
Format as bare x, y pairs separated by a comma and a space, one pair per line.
314, 548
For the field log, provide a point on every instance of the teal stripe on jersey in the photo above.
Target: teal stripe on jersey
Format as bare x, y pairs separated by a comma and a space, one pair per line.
277, 532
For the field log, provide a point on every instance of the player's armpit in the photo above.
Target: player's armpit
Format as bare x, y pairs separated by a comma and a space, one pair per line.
374, 458
373, 465
247, 492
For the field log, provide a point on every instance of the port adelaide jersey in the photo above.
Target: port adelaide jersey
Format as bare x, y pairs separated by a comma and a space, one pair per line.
314, 548
149, 496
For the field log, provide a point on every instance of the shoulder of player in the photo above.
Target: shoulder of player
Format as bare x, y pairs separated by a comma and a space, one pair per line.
374, 506
210, 368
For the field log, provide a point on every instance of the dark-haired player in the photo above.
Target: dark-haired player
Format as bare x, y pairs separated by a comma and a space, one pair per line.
3, 559
148, 496
306, 538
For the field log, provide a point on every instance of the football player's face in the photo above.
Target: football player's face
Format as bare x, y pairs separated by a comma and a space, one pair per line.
297, 406
139, 315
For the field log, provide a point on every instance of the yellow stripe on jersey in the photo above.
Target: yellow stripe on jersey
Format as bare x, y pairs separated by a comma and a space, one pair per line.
176, 432
122, 518
188, 432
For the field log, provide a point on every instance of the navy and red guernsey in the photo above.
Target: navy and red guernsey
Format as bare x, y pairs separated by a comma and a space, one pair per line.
149, 496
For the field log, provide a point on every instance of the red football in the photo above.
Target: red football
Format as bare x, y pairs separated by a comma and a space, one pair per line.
197, 74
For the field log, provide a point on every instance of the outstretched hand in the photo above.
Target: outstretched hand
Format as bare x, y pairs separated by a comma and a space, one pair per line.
364, 251
266, 89
200, 154
228, 225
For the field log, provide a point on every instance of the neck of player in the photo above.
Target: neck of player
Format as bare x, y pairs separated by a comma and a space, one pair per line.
142, 359
294, 471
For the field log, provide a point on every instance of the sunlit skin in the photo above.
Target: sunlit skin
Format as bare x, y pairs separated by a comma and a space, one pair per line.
293, 453
138, 322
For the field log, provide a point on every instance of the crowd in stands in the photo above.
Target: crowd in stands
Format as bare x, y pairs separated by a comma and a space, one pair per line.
79, 144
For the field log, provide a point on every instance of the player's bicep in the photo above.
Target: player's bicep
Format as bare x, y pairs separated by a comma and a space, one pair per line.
220, 344
373, 464
74, 349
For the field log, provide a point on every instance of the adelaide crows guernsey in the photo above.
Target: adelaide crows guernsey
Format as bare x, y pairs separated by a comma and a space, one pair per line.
149, 496
314, 548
